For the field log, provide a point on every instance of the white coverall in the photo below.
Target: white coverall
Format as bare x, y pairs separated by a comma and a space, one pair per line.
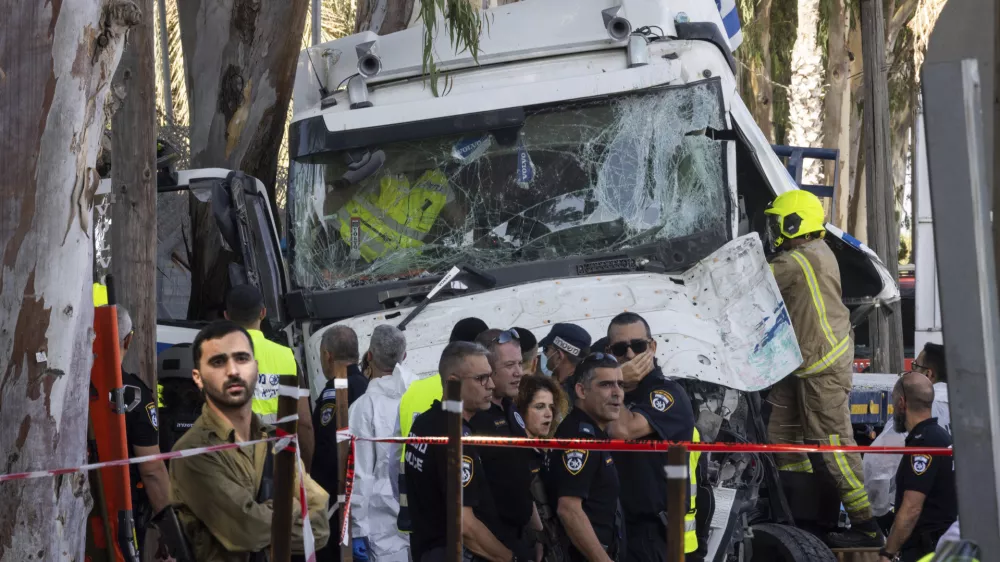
375, 497
880, 469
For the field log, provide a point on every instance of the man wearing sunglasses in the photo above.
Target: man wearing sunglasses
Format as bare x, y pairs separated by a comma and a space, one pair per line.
656, 408
426, 467
811, 405
508, 469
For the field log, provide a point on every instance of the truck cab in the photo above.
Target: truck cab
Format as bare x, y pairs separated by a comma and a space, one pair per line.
594, 158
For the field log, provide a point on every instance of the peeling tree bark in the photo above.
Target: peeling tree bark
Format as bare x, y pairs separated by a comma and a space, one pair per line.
836, 126
805, 104
242, 55
385, 16
760, 73
57, 62
133, 175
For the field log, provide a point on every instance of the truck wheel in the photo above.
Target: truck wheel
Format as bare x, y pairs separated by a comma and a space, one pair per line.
781, 543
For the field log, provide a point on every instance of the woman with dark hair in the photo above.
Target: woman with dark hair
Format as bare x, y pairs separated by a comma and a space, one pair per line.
543, 405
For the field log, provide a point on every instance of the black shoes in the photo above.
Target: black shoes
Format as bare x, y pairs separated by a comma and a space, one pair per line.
863, 534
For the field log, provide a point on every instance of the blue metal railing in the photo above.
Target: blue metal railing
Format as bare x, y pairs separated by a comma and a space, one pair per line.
793, 157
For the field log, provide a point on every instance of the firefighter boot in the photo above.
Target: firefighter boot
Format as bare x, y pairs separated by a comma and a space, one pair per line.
861, 535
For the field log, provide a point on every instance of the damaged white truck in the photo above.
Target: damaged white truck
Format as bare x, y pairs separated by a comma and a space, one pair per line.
596, 158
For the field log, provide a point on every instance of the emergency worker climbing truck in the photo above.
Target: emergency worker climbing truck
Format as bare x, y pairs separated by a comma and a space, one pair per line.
811, 405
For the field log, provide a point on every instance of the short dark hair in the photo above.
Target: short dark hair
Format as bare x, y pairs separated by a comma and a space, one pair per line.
456, 352
588, 367
629, 318
215, 330
244, 303
934, 359
342, 343
467, 329
528, 340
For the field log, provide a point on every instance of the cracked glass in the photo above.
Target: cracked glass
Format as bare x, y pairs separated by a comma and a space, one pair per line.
575, 179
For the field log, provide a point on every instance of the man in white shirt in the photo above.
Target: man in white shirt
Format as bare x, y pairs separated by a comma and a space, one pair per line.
880, 469
375, 414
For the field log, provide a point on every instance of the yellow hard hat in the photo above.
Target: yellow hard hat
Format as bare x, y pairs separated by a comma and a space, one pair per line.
796, 213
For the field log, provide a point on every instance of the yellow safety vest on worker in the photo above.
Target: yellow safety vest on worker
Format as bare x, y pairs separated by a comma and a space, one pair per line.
273, 360
416, 400
395, 217
690, 525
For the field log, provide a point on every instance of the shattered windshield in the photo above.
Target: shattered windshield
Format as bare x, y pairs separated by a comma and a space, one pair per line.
575, 179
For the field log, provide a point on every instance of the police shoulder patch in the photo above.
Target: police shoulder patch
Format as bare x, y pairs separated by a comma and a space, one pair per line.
467, 470
153, 418
661, 400
326, 414
519, 419
920, 463
575, 460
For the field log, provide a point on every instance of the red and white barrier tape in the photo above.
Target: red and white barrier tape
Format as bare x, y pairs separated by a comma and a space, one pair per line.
650, 445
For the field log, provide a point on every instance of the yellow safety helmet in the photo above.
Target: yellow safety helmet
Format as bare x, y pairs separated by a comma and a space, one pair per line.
793, 214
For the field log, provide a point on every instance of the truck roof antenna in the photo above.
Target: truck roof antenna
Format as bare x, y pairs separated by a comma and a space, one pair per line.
322, 89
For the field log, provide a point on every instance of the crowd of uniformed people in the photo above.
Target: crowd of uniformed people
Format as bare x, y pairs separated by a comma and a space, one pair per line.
518, 503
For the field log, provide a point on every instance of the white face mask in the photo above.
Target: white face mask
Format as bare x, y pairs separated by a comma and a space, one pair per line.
543, 364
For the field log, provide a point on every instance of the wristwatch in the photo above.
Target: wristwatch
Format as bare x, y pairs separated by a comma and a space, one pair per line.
894, 556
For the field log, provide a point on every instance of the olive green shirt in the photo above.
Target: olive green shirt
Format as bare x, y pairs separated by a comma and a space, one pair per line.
215, 494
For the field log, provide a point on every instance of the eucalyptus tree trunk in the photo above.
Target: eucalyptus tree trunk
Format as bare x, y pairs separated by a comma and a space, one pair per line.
805, 102
760, 72
56, 64
836, 127
385, 16
242, 55
133, 180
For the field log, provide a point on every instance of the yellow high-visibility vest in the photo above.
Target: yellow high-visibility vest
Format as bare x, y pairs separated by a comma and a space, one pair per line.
690, 525
416, 400
397, 216
273, 360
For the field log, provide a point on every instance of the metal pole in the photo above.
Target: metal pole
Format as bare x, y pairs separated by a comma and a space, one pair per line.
343, 450
960, 197
168, 101
317, 22
284, 476
453, 489
677, 482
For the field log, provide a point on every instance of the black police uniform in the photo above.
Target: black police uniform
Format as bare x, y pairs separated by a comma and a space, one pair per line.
509, 475
357, 384
934, 476
590, 476
667, 408
324, 467
426, 477
141, 430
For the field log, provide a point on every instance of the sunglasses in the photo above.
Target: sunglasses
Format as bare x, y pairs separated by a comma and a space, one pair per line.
621, 348
594, 357
507, 336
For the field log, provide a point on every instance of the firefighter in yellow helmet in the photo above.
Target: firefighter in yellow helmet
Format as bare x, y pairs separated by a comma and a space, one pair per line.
812, 405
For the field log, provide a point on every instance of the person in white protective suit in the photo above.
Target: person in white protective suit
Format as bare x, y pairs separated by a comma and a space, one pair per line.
375, 414
880, 469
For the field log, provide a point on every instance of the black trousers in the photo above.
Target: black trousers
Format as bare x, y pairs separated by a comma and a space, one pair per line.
647, 541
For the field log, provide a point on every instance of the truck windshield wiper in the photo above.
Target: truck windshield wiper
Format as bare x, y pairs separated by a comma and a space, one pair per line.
488, 281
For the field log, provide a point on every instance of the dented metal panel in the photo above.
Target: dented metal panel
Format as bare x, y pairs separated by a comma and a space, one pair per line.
722, 321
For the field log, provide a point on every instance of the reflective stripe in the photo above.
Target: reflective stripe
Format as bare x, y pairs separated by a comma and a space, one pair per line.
855, 495
398, 216
690, 522
804, 466
836, 353
690, 526
817, 297
845, 468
